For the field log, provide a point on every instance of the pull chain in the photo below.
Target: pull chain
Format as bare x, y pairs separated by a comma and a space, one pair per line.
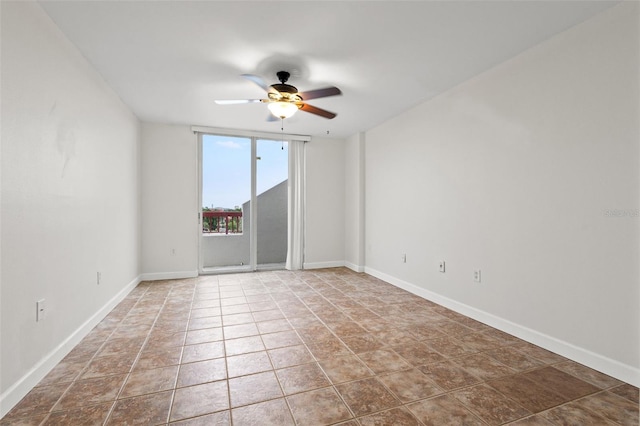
282, 130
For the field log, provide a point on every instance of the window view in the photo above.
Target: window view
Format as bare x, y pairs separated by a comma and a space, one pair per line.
226, 183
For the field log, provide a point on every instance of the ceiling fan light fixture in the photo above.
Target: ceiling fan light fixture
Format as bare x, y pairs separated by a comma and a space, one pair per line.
282, 109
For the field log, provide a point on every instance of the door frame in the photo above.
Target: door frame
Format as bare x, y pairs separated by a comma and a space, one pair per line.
254, 137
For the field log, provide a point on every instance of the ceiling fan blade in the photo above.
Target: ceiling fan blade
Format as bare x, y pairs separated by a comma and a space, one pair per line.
237, 101
320, 93
317, 111
258, 80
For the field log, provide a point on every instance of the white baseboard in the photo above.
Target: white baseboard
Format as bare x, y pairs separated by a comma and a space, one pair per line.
611, 367
19, 389
320, 265
155, 276
354, 267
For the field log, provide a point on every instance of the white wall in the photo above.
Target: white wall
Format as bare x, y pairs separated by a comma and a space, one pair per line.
516, 172
70, 196
354, 191
169, 201
325, 204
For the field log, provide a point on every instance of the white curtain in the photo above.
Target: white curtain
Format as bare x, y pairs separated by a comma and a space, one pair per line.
295, 238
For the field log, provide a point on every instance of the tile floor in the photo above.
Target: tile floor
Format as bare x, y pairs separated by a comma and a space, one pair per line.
321, 347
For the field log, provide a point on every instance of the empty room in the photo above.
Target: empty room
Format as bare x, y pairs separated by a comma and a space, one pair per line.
320, 213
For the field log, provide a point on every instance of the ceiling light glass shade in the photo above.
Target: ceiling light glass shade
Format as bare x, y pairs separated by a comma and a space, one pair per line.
282, 109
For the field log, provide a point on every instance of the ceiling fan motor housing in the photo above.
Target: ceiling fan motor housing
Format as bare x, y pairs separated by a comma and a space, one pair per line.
283, 87
283, 76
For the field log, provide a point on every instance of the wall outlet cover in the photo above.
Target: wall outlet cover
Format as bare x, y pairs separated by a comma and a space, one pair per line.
40, 310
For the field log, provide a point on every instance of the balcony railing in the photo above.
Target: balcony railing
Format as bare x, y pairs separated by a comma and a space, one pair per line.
216, 222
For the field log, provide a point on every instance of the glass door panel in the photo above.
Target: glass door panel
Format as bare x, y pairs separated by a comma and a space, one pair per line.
226, 202
271, 190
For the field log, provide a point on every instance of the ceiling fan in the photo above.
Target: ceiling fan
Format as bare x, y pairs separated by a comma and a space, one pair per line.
283, 100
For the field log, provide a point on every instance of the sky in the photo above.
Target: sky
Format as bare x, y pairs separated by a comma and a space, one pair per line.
226, 169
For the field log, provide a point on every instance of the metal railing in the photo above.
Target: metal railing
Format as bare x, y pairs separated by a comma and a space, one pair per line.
222, 222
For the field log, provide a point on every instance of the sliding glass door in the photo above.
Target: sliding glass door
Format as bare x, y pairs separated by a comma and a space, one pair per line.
271, 188
244, 203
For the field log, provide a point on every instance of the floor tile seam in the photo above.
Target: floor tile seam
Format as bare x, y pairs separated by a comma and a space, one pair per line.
49, 414
344, 402
226, 366
530, 413
84, 369
601, 391
512, 371
286, 401
388, 348
303, 340
607, 387
449, 392
470, 410
255, 403
306, 390
46, 412
569, 401
384, 385
174, 387
334, 334
524, 351
623, 396
548, 410
560, 394
284, 397
147, 337
113, 403
608, 422
420, 423
179, 366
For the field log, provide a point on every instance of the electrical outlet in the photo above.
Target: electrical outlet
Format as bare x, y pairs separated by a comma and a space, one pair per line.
441, 267
98, 277
404, 258
40, 310
477, 276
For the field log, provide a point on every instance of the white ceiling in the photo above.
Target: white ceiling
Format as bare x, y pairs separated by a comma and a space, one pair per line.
169, 60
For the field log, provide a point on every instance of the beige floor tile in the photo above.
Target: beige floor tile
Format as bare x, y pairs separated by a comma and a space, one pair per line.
490, 405
443, 410
269, 413
199, 400
275, 347
147, 409
142, 382
367, 396
200, 372
259, 387
393, 417
302, 378
319, 407
345, 368
384, 360
410, 385
241, 365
